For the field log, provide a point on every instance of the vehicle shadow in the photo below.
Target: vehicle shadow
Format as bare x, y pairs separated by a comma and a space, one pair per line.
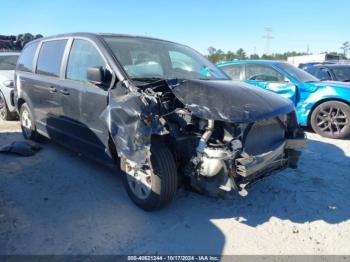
317, 190
310, 130
59, 203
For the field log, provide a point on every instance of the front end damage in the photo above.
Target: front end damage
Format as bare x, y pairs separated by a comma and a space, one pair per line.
241, 158
223, 135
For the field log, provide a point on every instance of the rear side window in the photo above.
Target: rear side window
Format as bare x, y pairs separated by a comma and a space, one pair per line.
263, 73
233, 71
50, 58
25, 61
323, 74
82, 56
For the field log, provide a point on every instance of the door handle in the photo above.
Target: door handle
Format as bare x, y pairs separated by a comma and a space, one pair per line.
64, 92
52, 89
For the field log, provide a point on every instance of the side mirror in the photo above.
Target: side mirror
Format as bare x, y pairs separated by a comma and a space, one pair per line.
96, 75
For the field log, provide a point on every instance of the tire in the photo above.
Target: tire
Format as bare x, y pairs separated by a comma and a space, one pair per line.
28, 125
163, 180
5, 114
331, 119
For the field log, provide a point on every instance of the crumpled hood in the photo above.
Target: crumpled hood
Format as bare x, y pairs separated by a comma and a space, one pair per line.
229, 101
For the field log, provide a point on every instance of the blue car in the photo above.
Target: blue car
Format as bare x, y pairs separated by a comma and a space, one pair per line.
324, 105
329, 71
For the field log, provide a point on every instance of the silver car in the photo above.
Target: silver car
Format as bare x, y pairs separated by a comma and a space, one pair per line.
8, 62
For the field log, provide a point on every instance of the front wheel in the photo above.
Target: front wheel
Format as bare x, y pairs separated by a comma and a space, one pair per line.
331, 119
153, 187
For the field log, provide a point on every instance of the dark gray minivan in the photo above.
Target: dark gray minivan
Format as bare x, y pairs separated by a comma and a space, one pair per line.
161, 109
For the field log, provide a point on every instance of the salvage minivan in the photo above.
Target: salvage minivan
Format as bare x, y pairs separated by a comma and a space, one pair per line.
160, 109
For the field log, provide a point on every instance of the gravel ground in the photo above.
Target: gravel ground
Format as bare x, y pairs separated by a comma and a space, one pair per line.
58, 203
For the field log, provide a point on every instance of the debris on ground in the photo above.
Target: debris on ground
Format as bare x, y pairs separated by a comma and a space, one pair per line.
22, 148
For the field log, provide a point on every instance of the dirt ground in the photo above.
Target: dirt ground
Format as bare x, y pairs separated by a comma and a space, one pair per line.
59, 203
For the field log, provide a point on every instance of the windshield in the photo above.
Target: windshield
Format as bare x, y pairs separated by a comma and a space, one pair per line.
297, 73
149, 58
8, 62
342, 73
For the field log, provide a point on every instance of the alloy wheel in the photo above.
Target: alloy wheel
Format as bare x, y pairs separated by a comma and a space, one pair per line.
26, 122
140, 182
2, 107
332, 120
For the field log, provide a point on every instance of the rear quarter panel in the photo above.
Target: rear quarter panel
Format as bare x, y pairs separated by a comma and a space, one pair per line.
23, 81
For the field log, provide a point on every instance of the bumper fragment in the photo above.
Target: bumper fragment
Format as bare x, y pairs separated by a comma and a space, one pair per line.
295, 143
249, 165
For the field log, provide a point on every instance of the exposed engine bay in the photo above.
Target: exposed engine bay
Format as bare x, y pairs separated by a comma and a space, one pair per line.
222, 140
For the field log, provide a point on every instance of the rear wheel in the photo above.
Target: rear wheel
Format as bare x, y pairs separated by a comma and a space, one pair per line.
152, 187
331, 119
27, 124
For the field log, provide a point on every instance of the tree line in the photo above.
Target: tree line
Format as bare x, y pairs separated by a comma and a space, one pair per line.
218, 55
16, 42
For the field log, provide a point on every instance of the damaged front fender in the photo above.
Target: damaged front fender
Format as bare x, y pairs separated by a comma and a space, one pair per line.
131, 118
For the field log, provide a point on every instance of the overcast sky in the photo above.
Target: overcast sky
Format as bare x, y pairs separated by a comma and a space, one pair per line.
322, 25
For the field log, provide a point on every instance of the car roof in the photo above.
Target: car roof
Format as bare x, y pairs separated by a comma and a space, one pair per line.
95, 35
332, 65
262, 62
9, 53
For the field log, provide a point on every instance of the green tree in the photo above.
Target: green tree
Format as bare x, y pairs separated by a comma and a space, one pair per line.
254, 57
230, 56
215, 55
241, 55
211, 50
345, 47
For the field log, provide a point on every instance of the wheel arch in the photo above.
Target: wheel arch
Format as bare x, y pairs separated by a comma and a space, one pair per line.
328, 99
20, 102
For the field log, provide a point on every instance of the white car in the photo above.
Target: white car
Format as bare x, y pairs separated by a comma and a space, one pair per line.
8, 62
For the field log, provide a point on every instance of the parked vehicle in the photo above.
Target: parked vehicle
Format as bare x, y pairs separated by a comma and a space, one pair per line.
304, 66
169, 114
330, 72
319, 58
323, 105
8, 62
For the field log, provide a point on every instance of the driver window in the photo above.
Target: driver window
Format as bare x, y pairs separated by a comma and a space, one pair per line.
263, 73
82, 56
